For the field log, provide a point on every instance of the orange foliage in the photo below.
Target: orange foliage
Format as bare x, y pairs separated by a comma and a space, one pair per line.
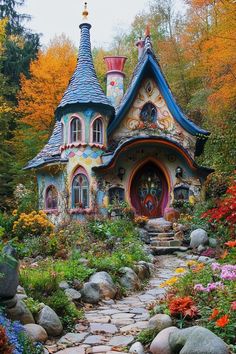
41, 93
210, 44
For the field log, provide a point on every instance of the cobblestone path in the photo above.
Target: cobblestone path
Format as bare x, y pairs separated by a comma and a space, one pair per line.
113, 325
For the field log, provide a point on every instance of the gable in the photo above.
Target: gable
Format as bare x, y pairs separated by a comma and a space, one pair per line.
160, 124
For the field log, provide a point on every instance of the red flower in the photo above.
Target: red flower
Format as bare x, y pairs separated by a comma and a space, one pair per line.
223, 321
230, 243
184, 306
214, 314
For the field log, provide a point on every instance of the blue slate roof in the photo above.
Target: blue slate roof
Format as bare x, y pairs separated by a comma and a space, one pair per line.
84, 87
146, 64
51, 151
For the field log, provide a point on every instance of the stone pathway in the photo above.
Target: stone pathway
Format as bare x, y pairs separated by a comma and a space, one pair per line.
112, 326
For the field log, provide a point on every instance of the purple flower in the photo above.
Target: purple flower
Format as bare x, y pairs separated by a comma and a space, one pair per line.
215, 266
228, 275
213, 286
199, 287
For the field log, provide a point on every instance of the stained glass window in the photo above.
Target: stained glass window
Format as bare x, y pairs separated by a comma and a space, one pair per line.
51, 198
116, 194
181, 193
97, 131
148, 113
80, 191
76, 130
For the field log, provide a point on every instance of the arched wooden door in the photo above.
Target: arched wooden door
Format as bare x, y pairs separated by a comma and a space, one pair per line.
149, 191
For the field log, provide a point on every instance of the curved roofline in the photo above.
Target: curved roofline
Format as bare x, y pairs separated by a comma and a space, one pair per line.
136, 140
175, 110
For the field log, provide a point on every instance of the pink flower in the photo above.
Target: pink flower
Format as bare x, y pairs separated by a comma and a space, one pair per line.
233, 306
199, 287
215, 266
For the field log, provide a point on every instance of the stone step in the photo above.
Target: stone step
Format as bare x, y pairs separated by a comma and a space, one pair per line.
161, 239
161, 234
157, 251
168, 243
159, 225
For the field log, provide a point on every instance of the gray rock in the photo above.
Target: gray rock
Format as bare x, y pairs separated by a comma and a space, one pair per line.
21, 296
198, 237
160, 344
206, 260
9, 269
107, 287
144, 235
129, 279
36, 332
72, 338
196, 340
20, 290
103, 328
64, 285
160, 322
48, 319
77, 284
9, 302
136, 348
213, 243
142, 270
73, 294
121, 341
20, 313
91, 293
201, 248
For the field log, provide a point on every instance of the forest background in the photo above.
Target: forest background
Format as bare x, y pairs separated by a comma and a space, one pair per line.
196, 50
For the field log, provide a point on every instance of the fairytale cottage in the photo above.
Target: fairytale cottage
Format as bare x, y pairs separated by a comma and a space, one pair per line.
137, 147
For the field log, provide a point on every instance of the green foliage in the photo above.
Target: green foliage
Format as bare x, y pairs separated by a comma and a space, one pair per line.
33, 305
147, 335
64, 308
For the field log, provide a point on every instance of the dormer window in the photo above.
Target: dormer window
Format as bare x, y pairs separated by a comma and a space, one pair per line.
75, 130
149, 113
97, 131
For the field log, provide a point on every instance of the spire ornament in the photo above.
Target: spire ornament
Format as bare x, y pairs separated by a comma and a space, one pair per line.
85, 12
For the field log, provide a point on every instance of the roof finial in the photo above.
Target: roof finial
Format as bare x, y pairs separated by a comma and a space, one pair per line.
147, 31
85, 12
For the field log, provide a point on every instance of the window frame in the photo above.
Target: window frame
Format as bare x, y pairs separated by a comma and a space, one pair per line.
53, 207
97, 131
73, 119
81, 189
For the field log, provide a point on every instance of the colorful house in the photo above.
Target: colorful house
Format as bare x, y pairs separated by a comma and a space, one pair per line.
137, 147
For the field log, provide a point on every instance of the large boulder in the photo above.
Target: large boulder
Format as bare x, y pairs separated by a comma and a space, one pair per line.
36, 332
196, 340
91, 293
198, 237
142, 270
48, 319
160, 344
9, 270
144, 235
129, 279
20, 313
73, 294
160, 322
107, 287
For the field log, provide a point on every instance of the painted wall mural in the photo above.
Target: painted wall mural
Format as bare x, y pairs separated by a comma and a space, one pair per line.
149, 115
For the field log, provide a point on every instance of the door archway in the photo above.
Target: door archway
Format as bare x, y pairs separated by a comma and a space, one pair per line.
149, 191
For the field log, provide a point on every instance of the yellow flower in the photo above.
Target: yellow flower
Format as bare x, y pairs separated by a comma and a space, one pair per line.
191, 263
179, 270
169, 282
14, 213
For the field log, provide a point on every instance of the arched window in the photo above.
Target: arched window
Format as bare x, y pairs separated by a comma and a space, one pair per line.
98, 131
181, 193
148, 113
75, 130
51, 199
116, 194
80, 191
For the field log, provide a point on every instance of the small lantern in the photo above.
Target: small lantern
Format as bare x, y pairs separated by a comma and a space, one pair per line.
179, 172
121, 173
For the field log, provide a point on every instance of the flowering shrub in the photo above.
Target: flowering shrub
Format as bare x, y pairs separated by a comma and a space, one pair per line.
183, 306
13, 339
33, 224
225, 212
141, 220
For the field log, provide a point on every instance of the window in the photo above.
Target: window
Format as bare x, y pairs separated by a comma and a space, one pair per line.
51, 198
75, 130
97, 131
116, 194
148, 113
181, 193
80, 191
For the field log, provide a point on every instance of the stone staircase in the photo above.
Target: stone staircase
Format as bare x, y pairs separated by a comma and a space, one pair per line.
162, 237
